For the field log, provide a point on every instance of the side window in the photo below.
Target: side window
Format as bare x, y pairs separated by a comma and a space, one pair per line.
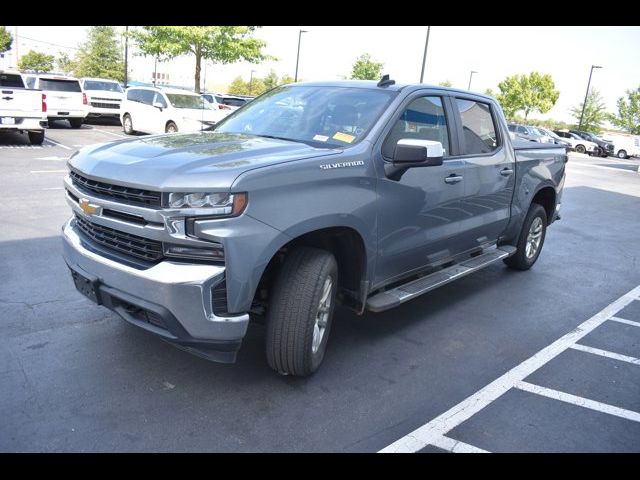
478, 130
31, 82
423, 119
522, 130
133, 95
146, 96
160, 99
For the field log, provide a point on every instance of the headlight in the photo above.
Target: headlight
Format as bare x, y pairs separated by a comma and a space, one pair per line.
218, 203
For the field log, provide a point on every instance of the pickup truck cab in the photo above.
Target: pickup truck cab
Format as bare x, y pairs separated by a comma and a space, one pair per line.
355, 192
65, 98
22, 110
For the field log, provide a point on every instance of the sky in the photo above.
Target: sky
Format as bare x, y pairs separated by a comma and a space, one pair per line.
328, 53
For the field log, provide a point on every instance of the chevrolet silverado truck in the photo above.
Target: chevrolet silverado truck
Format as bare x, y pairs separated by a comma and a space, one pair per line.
21, 109
359, 193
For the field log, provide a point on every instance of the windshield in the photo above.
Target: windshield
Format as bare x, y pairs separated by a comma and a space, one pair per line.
320, 115
101, 85
189, 101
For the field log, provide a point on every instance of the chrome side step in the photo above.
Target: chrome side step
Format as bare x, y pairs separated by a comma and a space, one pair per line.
403, 293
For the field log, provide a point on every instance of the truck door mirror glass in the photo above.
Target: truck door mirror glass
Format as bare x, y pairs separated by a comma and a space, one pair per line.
414, 152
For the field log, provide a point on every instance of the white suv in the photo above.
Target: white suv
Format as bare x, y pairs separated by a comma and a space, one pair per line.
104, 97
65, 98
167, 110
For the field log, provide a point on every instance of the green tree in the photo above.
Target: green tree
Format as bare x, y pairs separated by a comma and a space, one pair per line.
225, 44
594, 112
446, 83
37, 61
100, 56
258, 85
531, 93
364, 68
65, 64
490, 92
628, 116
5, 39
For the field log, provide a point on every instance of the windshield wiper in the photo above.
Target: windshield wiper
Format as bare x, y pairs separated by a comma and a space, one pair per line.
277, 138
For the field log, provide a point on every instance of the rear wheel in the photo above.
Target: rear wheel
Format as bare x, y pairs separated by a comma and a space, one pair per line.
622, 154
300, 311
76, 122
171, 128
127, 124
36, 138
580, 149
534, 230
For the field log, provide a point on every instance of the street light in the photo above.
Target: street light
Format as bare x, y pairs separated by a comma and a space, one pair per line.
587, 94
251, 81
470, 77
424, 56
298, 56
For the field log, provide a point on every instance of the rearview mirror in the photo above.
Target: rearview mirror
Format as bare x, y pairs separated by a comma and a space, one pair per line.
414, 152
158, 105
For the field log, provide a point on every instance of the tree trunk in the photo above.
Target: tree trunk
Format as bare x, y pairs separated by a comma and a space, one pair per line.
526, 113
197, 79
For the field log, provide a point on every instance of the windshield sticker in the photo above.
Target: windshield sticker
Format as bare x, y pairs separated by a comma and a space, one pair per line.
343, 137
320, 138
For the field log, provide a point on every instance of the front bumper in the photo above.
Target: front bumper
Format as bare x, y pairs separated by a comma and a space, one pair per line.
170, 299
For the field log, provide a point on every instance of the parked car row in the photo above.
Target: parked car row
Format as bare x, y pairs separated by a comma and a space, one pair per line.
22, 109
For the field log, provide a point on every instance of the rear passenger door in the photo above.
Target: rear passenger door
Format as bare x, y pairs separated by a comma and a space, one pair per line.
490, 169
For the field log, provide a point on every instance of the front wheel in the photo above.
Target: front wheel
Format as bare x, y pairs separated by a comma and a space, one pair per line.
622, 154
534, 230
300, 311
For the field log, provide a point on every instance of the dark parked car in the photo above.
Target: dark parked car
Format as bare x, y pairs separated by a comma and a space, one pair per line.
606, 148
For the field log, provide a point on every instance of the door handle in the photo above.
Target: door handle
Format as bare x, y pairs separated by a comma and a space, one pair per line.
505, 172
451, 179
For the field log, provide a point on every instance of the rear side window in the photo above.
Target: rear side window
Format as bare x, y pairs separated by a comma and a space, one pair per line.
11, 80
31, 82
146, 96
423, 119
54, 85
133, 95
478, 129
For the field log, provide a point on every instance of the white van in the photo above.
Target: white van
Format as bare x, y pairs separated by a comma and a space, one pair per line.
624, 146
167, 110
65, 98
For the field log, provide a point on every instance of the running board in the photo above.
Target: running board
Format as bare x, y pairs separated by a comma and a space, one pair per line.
403, 293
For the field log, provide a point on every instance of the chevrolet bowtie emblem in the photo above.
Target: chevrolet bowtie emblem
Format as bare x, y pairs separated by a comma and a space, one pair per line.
87, 207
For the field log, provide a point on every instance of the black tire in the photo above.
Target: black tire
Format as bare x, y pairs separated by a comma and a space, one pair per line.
127, 124
580, 149
171, 127
520, 260
293, 308
622, 154
36, 138
76, 122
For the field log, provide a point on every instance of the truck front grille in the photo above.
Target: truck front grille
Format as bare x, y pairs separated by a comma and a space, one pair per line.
121, 242
117, 193
105, 105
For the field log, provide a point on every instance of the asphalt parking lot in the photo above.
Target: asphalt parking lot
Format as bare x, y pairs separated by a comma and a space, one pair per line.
539, 361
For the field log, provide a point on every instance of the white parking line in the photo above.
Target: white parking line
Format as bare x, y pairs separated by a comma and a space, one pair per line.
605, 353
58, 144
53, 188
624, 320
455, 446
109, 133
48, 171
439, 426
580, 401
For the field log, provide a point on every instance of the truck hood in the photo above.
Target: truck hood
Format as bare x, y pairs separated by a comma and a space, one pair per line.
186, 162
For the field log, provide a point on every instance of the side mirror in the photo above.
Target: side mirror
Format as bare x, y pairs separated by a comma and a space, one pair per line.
413, 152
158, 105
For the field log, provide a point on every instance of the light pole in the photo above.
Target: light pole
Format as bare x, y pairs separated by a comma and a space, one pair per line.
587, 94
126, 54
298, 56
470, 77
424, 56
251, 82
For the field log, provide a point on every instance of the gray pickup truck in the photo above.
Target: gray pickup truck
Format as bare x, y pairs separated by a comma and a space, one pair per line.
360, 193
